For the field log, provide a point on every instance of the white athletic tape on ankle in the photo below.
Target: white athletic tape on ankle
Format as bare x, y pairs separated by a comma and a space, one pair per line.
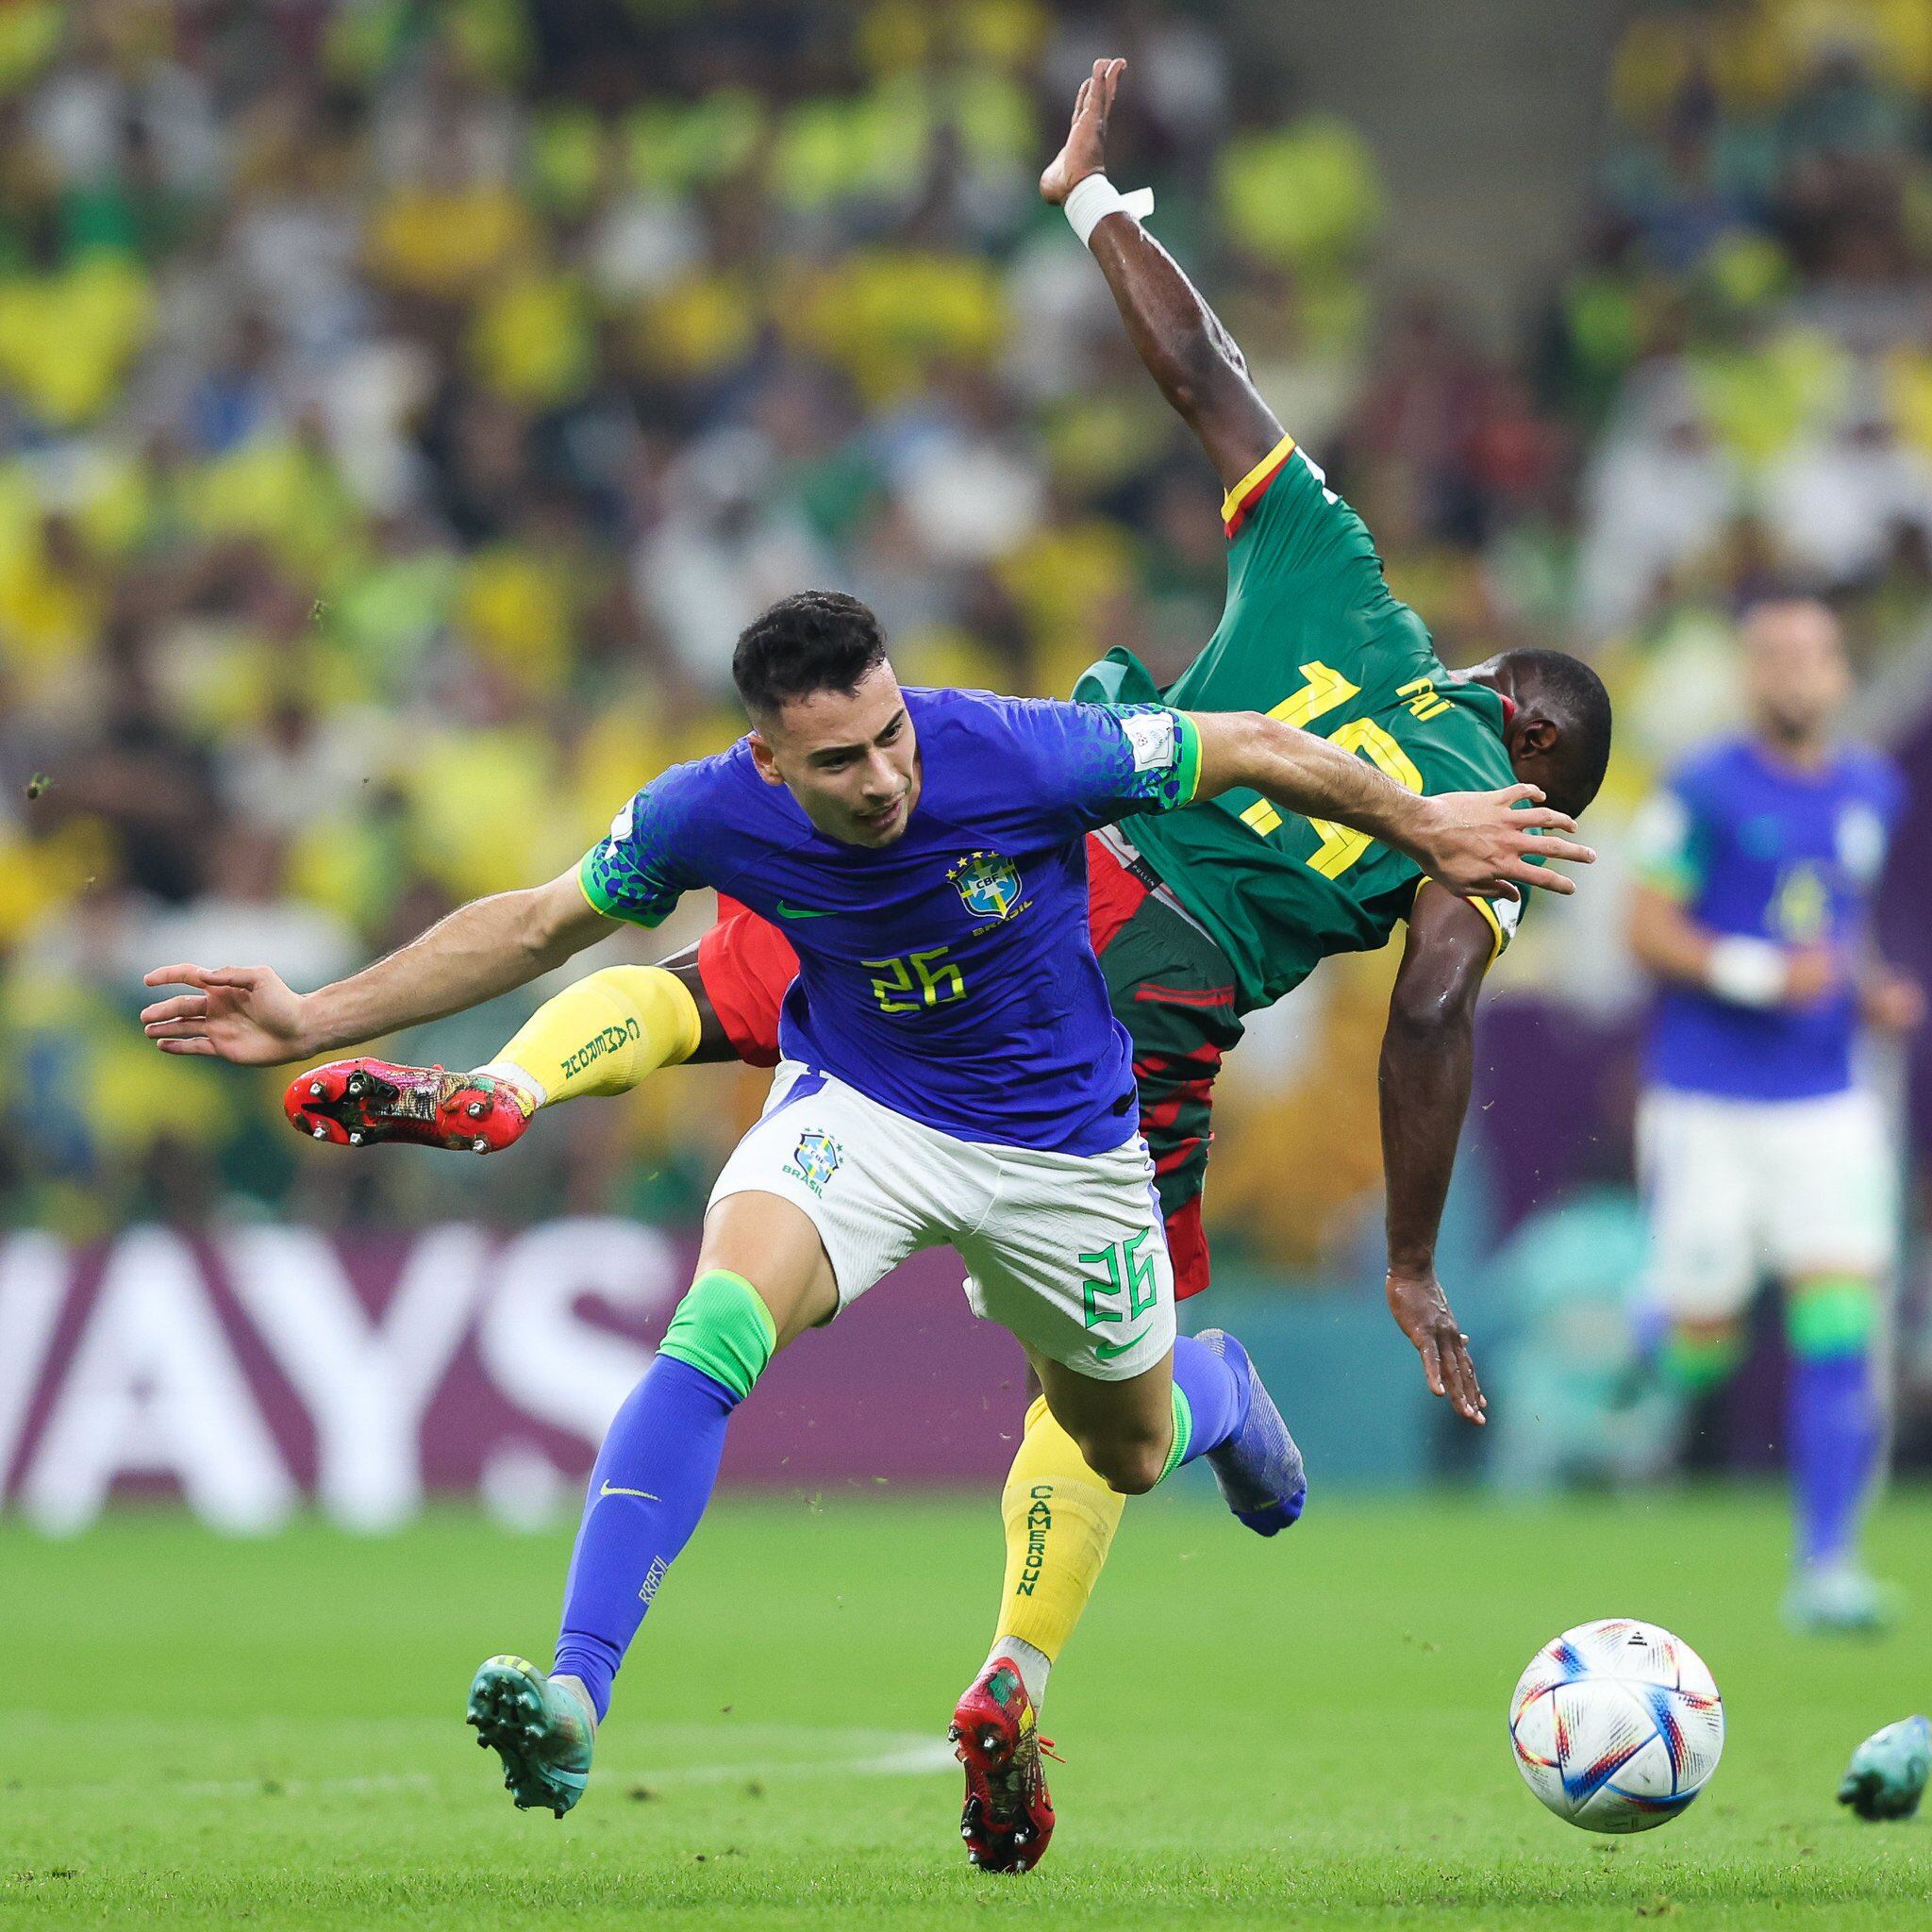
1095, 197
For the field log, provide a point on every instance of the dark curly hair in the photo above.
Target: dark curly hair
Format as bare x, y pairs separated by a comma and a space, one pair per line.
814, 640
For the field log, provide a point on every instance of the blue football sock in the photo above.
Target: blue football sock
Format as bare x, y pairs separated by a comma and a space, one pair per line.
653, 1479
1833, 1419
1834, 1437
1210, 1400
656, 1471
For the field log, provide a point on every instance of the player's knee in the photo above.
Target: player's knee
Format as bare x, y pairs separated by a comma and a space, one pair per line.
1830, 1315
723, 1328
1702, 1354
1130, 1464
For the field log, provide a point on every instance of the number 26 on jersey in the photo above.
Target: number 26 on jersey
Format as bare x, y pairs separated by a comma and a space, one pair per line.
912, 982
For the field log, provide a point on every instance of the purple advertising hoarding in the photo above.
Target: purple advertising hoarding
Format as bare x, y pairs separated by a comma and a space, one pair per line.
257, 1367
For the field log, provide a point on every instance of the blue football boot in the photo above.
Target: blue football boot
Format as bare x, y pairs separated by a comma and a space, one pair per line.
1258, 1468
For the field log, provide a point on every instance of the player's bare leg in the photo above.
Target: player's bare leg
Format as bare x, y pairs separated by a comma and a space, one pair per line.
773, 1245
605, 1034
1137, 1432
762, 1278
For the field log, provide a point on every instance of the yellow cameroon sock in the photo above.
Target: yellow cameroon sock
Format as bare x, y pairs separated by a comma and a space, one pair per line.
1061, 1518
603, 1035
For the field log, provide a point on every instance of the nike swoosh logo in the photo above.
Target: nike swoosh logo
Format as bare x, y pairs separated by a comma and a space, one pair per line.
1106, 1351
786, 911
617, 1490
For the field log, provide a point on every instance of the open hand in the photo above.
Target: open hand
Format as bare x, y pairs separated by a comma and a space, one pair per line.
245, 1014
1421, 1312
1086, 150
1481, 845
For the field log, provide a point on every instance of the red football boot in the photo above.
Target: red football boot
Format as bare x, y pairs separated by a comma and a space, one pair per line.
1008, 1817
354, 1103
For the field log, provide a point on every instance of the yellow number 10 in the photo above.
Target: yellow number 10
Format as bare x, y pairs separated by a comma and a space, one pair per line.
1328, 691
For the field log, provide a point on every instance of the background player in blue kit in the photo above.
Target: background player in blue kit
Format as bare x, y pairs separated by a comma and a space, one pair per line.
1759, 1148
952, 1073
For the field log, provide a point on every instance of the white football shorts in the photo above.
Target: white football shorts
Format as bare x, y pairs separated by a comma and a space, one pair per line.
1738, 1189
1068, 1251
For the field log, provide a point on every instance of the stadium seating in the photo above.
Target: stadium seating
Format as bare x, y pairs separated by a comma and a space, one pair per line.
402, 405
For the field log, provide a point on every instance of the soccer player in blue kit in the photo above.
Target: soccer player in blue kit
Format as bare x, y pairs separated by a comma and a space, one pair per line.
952, 1073
1758, 1146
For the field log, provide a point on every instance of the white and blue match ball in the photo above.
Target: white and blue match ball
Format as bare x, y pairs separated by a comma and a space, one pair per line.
1617, 1725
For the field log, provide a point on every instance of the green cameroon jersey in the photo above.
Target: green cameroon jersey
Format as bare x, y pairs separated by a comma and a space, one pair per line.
1311, 635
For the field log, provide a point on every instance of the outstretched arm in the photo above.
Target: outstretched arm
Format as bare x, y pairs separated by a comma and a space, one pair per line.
1666, 941
1480, 845
1426, 1057
248, 1015
1187, 350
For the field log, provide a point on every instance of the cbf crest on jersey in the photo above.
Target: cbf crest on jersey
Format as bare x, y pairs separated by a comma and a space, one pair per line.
988, 884
816, 1158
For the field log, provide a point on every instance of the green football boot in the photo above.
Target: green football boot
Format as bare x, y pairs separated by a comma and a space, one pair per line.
542, 1729
1838, 1600
1887, 1774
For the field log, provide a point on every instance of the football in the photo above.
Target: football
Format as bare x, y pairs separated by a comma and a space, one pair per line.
1616, 1724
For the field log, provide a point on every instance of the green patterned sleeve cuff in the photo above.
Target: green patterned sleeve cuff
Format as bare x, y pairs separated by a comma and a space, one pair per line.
600, 875
1164, 753
592, 886
1187, 767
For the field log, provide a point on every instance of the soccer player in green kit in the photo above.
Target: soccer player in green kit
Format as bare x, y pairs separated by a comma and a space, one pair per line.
1198, 918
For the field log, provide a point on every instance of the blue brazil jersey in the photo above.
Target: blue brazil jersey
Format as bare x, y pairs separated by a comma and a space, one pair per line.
1755, 847
950, 974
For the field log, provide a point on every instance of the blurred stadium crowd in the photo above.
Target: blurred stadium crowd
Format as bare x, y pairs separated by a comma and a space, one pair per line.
403, 405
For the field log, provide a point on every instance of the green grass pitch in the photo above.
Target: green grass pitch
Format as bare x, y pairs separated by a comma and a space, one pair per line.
1307, 1731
